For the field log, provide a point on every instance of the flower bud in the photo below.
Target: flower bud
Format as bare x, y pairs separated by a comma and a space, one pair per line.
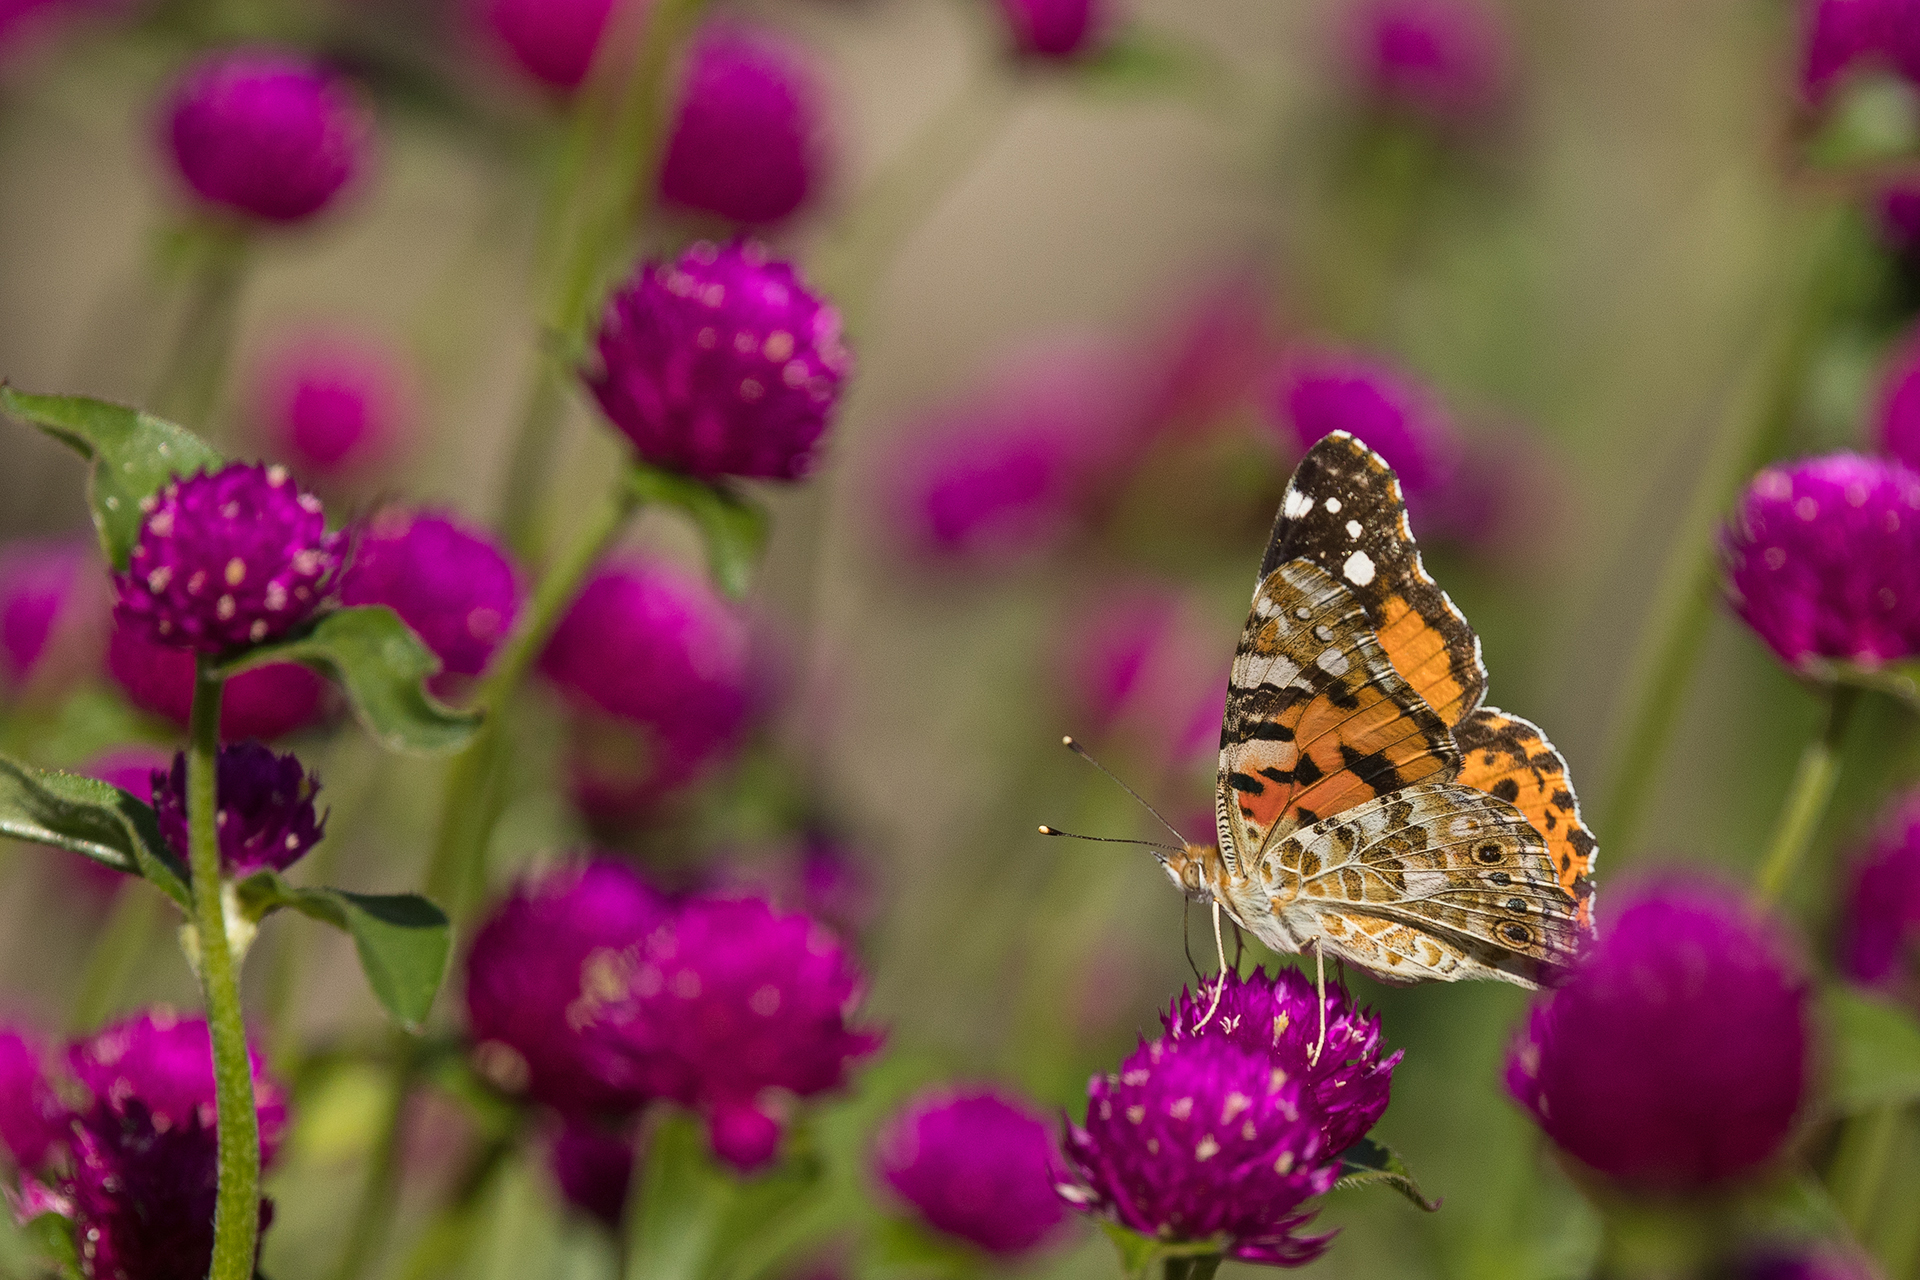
1056, 30
265, 816
553, 41
1442, 60
331, 406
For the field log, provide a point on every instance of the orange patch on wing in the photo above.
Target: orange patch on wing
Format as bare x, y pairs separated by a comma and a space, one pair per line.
1419, 652
1510, 759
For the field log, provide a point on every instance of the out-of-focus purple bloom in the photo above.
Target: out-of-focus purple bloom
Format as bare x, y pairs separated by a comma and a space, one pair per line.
265, 133
593, 1167
1898, 209
1822, 559
553, 41
749, 143
1139, 665
266, 817
33, 1120
655, 649
1897, 415
738, 1005
720, 364
331, 404
1208, 359
1842, 35
165, 1064
1444, 60
1675, 1060
446, 579
1802, 1263
1319, 392
53, 615
977, 1164
1056, 29
265, 702
1880, 927
543, 966
228, 559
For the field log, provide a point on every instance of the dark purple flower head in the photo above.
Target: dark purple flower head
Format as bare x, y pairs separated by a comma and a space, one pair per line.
265, 133
1675, 1060
265, 702
143, 1192
552, 40
227, 559
1275, 1014
749, 143
1823, 559
1880, 927
542, 967
446, 579
331, 404
33, 1120
593, 1167
720, 364
165, 1064
1445, 60
265, 817
1056, 29
977, 1164
52, 616
1321, 392
736, 1004
649, 646
1201, 1138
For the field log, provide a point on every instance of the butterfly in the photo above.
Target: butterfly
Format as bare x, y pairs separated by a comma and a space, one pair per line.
1368, 806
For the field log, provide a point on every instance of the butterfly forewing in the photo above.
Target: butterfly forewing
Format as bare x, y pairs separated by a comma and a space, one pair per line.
1511, 759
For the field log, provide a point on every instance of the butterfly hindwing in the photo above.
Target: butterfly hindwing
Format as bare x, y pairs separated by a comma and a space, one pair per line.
1317, 719
1344, 512
1510, 758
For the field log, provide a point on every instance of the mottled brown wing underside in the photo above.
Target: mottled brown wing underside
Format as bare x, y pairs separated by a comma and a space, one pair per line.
1317, 719
1438, 881
1344, 512
1511, 759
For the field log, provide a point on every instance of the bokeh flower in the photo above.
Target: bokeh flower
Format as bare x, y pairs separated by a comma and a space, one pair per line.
1442, 60
1880, 919
720, 364
749, 141
1319, 392
1139, 666
227, 559
1803, 1262
1896, 417
265, 133
165, 1063
1822, 559
33, 1119
265, 702
1898, 216
1056, 29
593, 1167
449, 581
53, 609
552, 40
541, 966
1840, 36
1206, 359
977, 1164
331, 404
265, 818
143, 1193
1676, 1058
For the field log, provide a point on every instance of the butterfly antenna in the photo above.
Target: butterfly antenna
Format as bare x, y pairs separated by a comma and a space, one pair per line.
1220, 987
1145, 844
1081, 751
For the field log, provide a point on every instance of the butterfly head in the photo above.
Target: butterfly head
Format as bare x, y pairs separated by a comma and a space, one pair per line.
1197, 870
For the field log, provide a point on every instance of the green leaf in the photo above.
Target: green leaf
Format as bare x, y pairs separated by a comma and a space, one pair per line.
679, 1206
383, 667
51, 1237
1368, 1163
1876, 1051
88, 817
734, 528
134, 455
403, 940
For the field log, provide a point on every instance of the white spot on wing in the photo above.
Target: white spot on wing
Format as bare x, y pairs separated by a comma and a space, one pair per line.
1353, 528
1333, 506
1297, 504
1359, 569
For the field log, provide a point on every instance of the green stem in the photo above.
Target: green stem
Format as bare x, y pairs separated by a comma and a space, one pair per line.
1807, 798
379, 1195
1860, 1165
1200, 1268
189, 385
531, 461
236, 1215
115, 956
1676, 627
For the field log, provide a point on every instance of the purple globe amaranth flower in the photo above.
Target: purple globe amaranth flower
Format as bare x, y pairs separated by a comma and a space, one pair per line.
977, 1164
33, 1119
165, 1064
1445, 60
553, 41
720, 364
1319, 392
734, 1006
1138, 665
331, 404
227, 559
265, 133
649, 647
265, 818
593, 1167
265, 702
1201, 1138
1822, 559
1880, 922
1056, 29
1897, 413
446, 579
52, 616
1676, 1058
749, 143
544, 964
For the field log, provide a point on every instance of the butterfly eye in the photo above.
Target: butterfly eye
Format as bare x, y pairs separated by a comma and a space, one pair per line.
1488, 853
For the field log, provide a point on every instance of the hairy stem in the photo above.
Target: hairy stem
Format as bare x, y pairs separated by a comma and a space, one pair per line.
1812, 787
236, 1215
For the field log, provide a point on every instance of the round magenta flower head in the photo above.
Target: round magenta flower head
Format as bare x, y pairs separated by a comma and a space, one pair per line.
749, 143
332, 405
1320, 392
593, 1167
165, 1064
33, 1120
1056, 29
720, 364
542, 966
265, 702
1200, 1138
977, 1164
1443, 60
1880, 923
551, 40
52, 616
1897, 413
266, 134
266, 816
739, 1007
227, 559
1675, 1059
1822, 559
446, 579
1838, 35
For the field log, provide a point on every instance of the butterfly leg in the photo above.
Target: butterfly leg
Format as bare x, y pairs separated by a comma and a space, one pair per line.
1220, 987
1320, 991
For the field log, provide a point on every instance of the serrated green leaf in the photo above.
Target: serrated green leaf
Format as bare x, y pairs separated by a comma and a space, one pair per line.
1876, 1051
1368, 1163
402, 939
86, 816
383, 666
733, 527
134, 454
